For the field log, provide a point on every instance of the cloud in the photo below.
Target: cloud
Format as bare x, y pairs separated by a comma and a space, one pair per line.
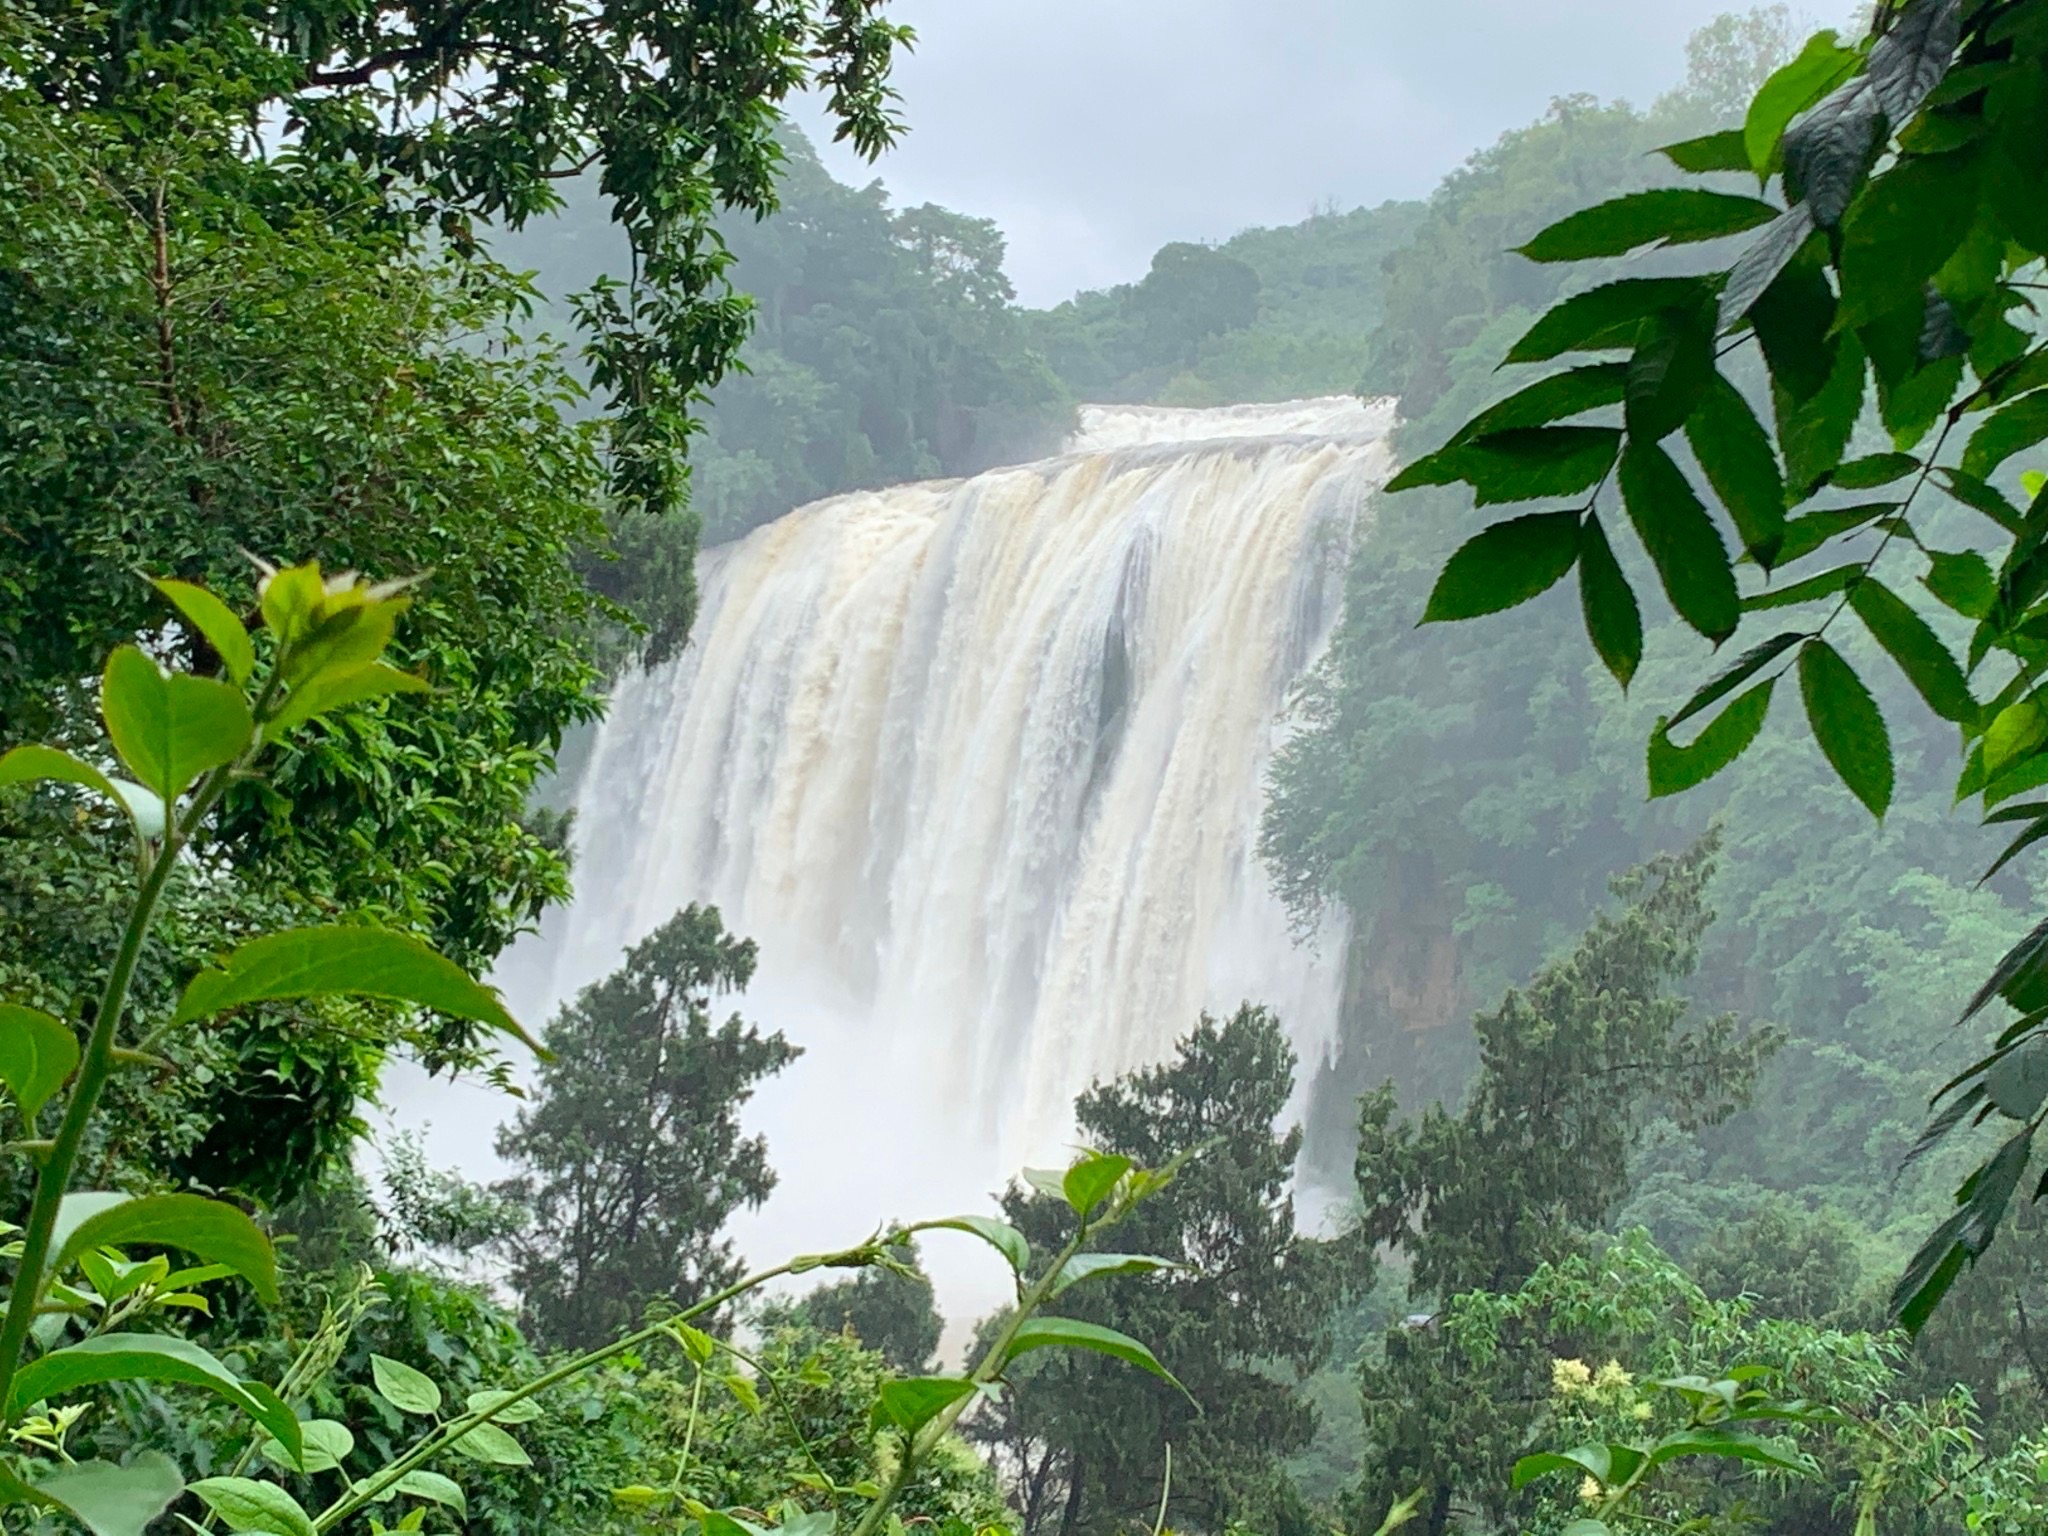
1094, 131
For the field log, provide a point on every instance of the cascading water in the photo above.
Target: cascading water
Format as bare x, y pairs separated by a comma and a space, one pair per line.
979, 765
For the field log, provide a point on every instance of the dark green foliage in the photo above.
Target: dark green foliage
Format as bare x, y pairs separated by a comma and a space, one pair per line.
631, 1148
1080, 1440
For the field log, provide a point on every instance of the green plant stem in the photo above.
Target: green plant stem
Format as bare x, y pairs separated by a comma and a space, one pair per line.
95, 1067
941, 1424
444, 1435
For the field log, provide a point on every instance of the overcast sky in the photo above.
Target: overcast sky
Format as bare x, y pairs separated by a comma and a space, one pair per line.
1094, 131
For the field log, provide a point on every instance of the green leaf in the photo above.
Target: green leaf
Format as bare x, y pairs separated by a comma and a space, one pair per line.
434, 1487
1813, 433
1603, 319
1613, 621
1763, 264
1070, 1333
1734, 1444
212, 1230
1911, 56
244, 1504
1963, 1237
1804, 535
1907, 223
290, 598
1724, 151
913, 1403
1928, 666
2014, 732
38, 1054
1828, 154
1674, 768
1664, 216
35, 764
1095, 1266
149, 1357
1682, 541
1820, 66
217, 624
345, 961
1826, 584
2017, 1083
503, 1407
1519, 464
407, 1390
1091, 1180
488, 1443
1866, 474
170, 729
1507, 564
2015, 973
1670, 371
1746, 666
1605, 1464
2013, 430
1974, 493
999, 1235
1548, 400
1962, 581
326, 1445
1735, 453
111, 1500
1847, 724
327, 692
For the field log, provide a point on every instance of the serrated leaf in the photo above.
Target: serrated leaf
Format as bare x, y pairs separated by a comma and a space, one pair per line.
149, 1357
1830, 151
404, 1388
1092, 1179
1763, 263
1907, 223
1796, 85
111, 1500
1070, 1333
1740, 671
244, 1504
911, 1404
1847, 724
2014, 429
1974, 493
488, 1443
1604, 318
999, 1235
1962, 581
1519, 464
211, 1230
216, 624
1614, 623
1661, 216
170, 729
2016, 972
1674, 768
1928, 666
1508, 564
38, 1054
1868, 473
1804, 535
1911, 56
1682, 541
1735, 453
2017, 1084
1724, 151
1550, 399
1826, 584
2014, 733
343, 961
1963, 1237
1813, 433
1669, 372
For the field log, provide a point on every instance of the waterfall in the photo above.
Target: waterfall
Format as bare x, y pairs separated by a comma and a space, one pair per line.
979, 765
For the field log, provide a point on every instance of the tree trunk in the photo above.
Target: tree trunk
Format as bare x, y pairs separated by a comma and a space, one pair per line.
1071, 1518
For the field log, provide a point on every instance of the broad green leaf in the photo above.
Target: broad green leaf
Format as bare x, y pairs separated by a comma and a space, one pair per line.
1613, 621
1735, 453
1674, 768
346, 961
1907, 223
1663, 216
2013, 430
1048, 1181
1738, 672
111, 1500
2017, 1084
1095, 1266
212, 1230
1550, 399
1763, 264
149, 1357
1670, 370
327, 1444
1605, 1464
1505, 565
290, 598
244, 1504
327, 692
170, 729
1827, 584
999, 1235
1927, 663
346, 639
216, 623
1963, 1237
1829, 152
1793, 320
1819, 67
2014, 732
2021, 966
1735, 1444
913, 1403
38, 1054
1804, 535
1866, 474
1686, 548
1911, 56
1604, 319
1974, 493
1724, 151
1813, 433
35, 764
434, 1487
503, 1407
407, 1390
1519, 464
491, 1444
1070, 1333
1847, 724
1092, 1180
